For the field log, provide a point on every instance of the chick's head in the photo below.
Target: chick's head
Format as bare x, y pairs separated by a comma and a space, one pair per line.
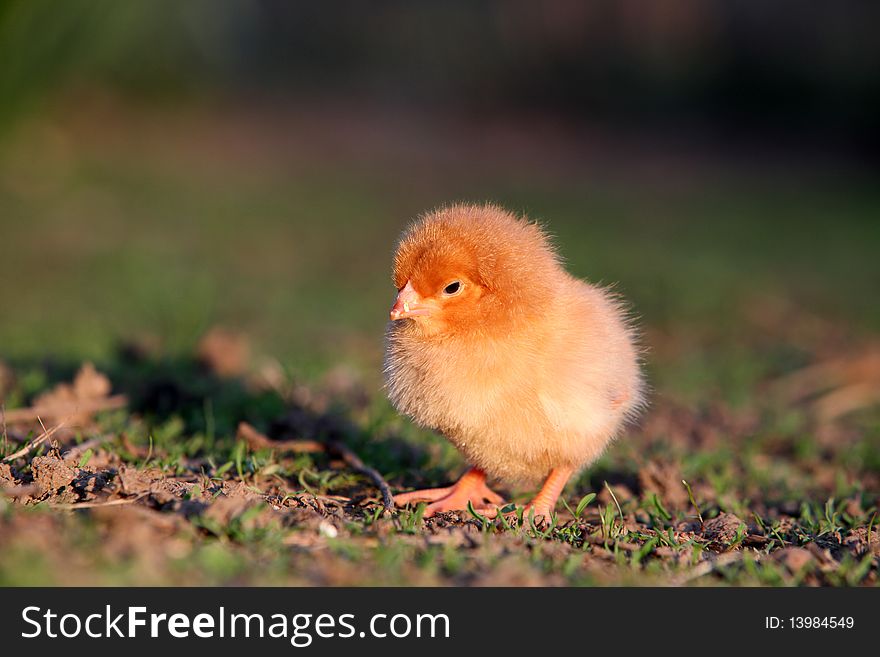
467, 268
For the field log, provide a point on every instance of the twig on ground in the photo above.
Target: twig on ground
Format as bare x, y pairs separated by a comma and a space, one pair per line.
92, 505
355, 463
844, 400
19, 415
257, 440
35, 442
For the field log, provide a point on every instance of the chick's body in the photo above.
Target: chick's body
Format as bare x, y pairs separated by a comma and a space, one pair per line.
524, 368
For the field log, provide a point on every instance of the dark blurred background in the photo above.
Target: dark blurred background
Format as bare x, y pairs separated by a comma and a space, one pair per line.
168, 166
778, 73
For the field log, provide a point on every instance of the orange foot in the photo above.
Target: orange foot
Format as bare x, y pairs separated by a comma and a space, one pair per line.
470, 488
544, 502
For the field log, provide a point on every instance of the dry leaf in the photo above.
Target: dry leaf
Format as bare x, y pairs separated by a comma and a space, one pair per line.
224, 352
76, 402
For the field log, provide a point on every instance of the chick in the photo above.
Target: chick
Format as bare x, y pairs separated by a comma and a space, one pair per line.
527, 370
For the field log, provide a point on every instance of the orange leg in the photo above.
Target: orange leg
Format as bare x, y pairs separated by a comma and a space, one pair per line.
545, 501
470, 488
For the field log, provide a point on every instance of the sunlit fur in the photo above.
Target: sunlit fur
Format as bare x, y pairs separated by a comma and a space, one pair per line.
527, 368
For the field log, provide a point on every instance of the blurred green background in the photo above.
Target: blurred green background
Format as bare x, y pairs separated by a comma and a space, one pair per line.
169, 166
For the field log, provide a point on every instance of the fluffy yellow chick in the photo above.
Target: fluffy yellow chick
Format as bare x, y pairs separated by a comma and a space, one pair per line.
527, 370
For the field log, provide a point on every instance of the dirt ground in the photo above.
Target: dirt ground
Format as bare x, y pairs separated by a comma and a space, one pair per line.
106, 483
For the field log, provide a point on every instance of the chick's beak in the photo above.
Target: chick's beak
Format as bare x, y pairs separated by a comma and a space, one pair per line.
408, 304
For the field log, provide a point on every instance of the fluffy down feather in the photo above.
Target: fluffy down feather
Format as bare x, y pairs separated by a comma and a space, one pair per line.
525, 368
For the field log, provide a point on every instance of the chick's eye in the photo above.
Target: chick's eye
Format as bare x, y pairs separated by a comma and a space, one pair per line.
453, 288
